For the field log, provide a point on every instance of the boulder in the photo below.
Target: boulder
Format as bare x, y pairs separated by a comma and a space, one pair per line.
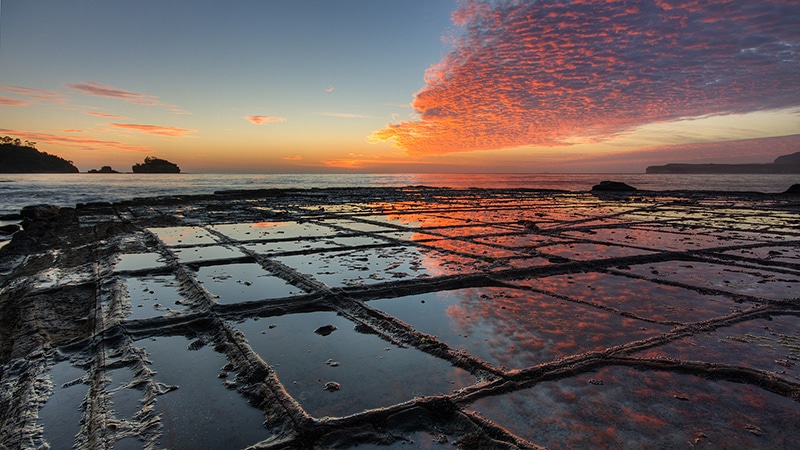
39, 212
612, 186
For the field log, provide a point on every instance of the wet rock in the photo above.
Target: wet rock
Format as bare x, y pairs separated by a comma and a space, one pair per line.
612, 186
332, 386
7, 230
325, 330
39, 212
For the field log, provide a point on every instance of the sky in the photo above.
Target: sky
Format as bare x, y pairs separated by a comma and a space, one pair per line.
426, 86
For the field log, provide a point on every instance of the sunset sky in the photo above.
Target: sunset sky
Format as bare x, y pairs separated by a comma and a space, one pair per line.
402, 86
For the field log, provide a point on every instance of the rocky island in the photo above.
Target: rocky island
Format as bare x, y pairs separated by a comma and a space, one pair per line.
17, 156
156, 165
785, 164
104, 169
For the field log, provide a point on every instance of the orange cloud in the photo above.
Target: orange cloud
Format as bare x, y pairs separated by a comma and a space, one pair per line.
104, 90
264, 119
82, 142
104, 115
154, 129
293, 158
556, 73
32, 95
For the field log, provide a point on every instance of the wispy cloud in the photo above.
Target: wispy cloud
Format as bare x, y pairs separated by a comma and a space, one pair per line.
329, 89
8, 101
557, 73
154, 129
104, 90
104, 115
31, 95
81, 142
264, 119
292, 158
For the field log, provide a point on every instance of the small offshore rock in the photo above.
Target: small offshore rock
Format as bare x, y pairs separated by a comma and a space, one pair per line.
332, 386
332, 363
325, 330
612, 186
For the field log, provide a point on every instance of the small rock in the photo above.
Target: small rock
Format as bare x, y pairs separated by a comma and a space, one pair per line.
325, 330
332, 363
595, 382
332, 386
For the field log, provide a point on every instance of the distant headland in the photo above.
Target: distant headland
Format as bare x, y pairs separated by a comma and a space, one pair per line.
786, 164
17, 156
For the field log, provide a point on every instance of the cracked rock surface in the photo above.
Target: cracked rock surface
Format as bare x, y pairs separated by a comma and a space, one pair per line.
405, 318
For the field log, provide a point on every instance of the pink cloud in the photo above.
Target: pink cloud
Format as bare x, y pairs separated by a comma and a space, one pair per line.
104, 115
264, 119
32, 95
82, 142
104, 90
329, 89
8, 101
552, 73
154, 129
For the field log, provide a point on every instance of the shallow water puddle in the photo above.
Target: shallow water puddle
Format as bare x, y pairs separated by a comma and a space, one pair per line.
125, 401
207, 253
746, 281
173, 236
273, 230
131, 262
656, 240
357, 267
618, 407
299, 245
61, 415
784, 254
765, 344
153, 295
233, 283
369, 371
640, 297
201, 412
357, 226
585, 251
514, 328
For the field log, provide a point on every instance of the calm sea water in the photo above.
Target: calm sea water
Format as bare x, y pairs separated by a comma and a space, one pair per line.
17, 191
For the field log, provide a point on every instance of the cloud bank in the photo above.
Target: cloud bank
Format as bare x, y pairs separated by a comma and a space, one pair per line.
551, 73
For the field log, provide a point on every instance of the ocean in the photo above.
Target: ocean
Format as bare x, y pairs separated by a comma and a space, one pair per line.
19, 190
